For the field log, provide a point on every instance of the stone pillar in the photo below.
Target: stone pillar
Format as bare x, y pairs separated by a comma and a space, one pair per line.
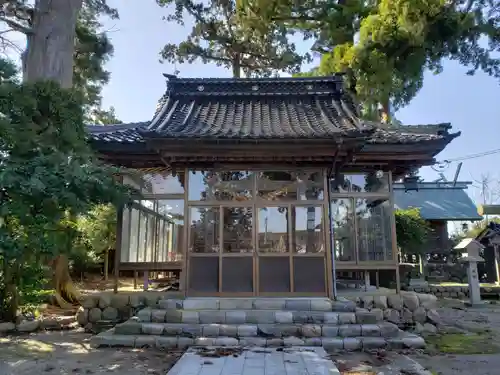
474, 286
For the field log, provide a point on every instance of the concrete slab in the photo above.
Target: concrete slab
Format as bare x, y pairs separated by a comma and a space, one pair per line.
254, 361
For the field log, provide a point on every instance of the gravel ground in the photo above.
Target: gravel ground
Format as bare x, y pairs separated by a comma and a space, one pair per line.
461, 365
55, 353
455, 317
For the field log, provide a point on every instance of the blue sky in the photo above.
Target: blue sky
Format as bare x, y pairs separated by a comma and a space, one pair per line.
469, 103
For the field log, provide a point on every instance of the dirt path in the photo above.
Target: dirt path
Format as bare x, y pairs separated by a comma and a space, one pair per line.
55, 353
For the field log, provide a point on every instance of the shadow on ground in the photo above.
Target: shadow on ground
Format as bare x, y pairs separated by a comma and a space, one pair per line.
69, 352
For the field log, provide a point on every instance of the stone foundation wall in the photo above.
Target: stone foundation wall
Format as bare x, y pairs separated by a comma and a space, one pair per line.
459, 292
111, 309
409, 310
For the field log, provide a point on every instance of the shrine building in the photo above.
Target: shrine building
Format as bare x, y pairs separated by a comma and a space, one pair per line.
262, 187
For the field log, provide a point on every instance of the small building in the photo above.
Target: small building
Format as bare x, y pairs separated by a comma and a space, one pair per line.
489, 237
262, 187
439, 203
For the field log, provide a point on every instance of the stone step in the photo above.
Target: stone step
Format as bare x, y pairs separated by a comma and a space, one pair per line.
290, 304
253, 330
257, 316
404, 340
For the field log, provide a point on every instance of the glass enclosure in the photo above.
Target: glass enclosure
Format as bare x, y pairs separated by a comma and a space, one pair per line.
259, 232
153, 231
361, 217
153, 227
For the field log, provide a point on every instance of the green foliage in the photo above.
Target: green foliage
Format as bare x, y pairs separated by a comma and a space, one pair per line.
411, 231
93, 50
104, 117
478, 227
397, 40
49, 175
98, 228
219, 37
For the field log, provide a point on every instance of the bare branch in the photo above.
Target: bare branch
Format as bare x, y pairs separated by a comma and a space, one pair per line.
17, 26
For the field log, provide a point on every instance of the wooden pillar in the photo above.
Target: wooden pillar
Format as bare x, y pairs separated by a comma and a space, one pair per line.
394, 240
146, 281
106, 264
367, 280
398, 281
497, 269
119, 232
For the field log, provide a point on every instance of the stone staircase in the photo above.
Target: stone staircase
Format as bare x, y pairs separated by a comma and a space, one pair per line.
271, 322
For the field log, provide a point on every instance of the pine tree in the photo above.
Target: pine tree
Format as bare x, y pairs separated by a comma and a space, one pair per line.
218, 37
397, 40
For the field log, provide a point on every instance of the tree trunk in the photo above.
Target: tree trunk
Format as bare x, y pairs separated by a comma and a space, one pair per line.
50, 47
385, 112
236, 67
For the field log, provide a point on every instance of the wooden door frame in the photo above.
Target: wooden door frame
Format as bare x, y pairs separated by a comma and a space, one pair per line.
256, 203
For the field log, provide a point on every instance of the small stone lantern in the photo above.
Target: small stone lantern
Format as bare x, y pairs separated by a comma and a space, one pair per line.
470, 249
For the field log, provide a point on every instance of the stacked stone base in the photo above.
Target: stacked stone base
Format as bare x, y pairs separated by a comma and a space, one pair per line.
265, 322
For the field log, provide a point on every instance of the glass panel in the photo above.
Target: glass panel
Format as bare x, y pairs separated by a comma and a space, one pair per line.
285, 186
307, 231
374, 229
274, 274
204, 233
371, 182
152, 231
342, 214
220, 186
237, 230
310, 186
273, 230
237, 274
125, 251
156, 183
276, 186
309, 274
204, 274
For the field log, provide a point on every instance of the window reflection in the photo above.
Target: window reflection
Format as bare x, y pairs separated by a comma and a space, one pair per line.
220, 186
374, 229
237, 230
307, 232
153, 231
204, 233
371, 182
156, 183
343, 227
288, 186
273, 230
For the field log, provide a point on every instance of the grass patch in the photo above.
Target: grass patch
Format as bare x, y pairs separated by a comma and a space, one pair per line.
461, 343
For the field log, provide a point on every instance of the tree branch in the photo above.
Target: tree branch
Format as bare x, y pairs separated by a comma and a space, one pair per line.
17, 26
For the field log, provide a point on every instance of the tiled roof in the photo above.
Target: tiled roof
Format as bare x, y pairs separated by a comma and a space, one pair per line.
120, 133
260, 108
132, 133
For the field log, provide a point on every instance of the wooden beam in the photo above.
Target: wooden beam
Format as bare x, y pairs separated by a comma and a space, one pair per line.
488, 209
